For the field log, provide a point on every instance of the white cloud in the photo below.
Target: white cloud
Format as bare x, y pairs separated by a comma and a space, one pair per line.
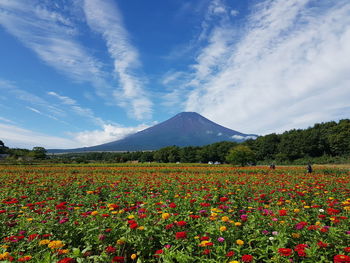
288, 69
240, 137
14, 136
109, 133
105, 18
234, 12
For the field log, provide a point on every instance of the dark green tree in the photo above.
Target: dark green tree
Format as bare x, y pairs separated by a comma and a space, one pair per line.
38, 153
241, 155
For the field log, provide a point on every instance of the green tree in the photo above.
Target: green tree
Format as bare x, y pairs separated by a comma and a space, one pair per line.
38, 153
3, 148
241, 155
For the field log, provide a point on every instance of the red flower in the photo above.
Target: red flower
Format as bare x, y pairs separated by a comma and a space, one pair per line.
158, 252
111, 249
230, 254
32, 237
282, 212
206, 252
181, 235
181, 223
133, 226
347, 249
25, 258
67, 260
332, 211
300, 247
247, 258
169, 226
204, 238
172, 205
61, 205
341, 259
223, 199
118, 259
322, 245
285, 252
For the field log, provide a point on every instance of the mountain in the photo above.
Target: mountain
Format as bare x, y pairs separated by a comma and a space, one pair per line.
184, 129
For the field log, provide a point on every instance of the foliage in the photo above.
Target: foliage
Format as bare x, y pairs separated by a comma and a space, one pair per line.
241, 155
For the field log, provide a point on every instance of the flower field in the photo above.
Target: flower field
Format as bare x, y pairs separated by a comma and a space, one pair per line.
173, 214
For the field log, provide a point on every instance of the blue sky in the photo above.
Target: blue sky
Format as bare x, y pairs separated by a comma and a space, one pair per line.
85, 72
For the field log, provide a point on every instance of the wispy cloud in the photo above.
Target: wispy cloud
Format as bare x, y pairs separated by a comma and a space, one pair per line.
6, 120
105, 18
51, 36
288, 68
8, 87
76, 108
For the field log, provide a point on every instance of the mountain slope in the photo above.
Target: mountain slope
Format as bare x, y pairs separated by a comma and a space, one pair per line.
184, 129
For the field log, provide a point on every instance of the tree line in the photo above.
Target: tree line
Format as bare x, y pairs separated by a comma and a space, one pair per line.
322, 143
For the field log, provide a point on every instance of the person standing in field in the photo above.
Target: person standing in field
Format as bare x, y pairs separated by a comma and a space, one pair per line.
309, 168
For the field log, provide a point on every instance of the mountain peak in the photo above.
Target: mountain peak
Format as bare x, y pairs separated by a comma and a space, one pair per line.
184, 129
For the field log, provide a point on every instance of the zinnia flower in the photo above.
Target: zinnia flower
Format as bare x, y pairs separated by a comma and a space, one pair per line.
247, 258
181, 235
285, 252
118, 259
67, 260
55, 244
341, 259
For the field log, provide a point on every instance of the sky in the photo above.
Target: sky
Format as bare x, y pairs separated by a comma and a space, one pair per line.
86, 72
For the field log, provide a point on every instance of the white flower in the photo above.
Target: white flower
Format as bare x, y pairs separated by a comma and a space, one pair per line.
271, 238
321, 210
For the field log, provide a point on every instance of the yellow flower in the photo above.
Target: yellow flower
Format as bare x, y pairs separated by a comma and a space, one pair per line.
44, 242
296, 210
93, 213
295, 235
55, 244
141, 228
165, 215
29, 219
225, 218
133, 256
238, 224
121, 241
64, 251
234, 261
5, 256
89, 192
203, 243
131, 217
239, 242
223, 228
